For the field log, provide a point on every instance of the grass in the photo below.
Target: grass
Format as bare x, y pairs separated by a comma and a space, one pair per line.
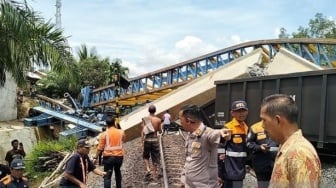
42, 149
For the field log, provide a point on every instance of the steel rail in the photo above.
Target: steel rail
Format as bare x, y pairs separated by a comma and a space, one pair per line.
163, 163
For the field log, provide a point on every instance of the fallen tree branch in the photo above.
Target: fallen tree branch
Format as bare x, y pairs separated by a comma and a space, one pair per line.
45, 183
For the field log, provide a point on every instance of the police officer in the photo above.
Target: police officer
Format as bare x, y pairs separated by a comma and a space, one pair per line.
201, 144
263, 152
233, 153
15, 179
4, 170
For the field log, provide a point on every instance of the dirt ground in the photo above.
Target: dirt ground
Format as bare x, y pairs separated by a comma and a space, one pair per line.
8, 124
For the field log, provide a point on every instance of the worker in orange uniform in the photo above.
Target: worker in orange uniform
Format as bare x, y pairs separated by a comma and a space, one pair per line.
233, 153
263, 152
110, 143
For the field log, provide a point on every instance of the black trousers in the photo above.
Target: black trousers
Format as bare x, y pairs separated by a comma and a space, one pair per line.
232, 184
112, 163
263, 179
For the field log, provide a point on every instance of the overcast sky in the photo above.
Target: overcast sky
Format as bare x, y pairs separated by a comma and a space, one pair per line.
151, 34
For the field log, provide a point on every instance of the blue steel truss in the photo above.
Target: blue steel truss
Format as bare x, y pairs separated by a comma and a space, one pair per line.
319, 51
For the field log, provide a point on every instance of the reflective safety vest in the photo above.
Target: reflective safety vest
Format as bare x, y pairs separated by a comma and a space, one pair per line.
262, 161
113, 142
257, 136
236, 147
235, 150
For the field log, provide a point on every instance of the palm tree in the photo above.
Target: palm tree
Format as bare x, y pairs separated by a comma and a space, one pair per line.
117, 68
119, 73
84, 54
25, 40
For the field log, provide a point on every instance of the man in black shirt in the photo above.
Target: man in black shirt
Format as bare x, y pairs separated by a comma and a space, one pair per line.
16, 152
78, 166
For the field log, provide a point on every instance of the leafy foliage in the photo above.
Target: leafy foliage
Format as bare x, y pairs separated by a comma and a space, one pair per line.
318, 27
45, 148
54, 85
94, 72
117, 68
89, 70
25, 40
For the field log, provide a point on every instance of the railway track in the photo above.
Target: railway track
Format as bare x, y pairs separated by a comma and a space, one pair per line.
174, 155
172, 158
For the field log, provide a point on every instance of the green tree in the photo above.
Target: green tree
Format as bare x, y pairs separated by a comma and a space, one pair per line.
98, 72
117, 68
25, 40
84, 53
89, 70
119, 74
54, 85
318, 27
94, 72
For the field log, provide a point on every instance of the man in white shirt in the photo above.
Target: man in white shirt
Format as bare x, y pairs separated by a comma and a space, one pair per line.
166, 122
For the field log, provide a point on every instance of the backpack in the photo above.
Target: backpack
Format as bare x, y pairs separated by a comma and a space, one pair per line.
148, 125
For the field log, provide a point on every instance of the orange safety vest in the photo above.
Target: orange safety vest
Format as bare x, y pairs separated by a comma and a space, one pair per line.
111, 142
237, 145
235, 150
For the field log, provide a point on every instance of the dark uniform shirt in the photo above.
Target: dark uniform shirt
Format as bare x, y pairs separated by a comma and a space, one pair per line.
235, 150
78, 166
262, 161
4, 171
9, 182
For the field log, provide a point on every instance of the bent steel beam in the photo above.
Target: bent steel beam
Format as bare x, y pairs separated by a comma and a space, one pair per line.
321, 52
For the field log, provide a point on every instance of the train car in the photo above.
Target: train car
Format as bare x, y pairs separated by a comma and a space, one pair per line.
313, 91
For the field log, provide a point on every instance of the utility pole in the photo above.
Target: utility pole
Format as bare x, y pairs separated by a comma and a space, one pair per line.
58, 14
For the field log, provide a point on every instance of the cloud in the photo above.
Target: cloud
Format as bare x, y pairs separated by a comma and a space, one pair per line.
191, 47
236, 39
149, 35
155, 57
